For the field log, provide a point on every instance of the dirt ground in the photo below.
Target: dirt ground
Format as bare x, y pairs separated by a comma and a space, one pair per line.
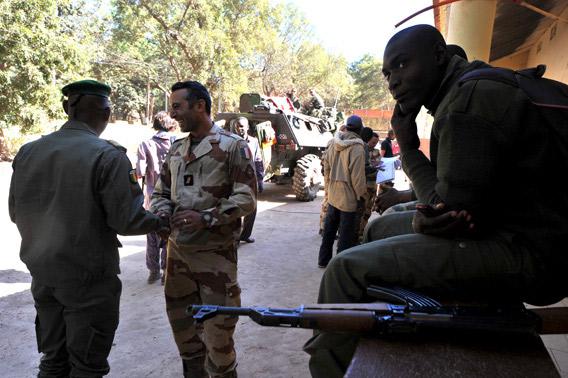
280, 269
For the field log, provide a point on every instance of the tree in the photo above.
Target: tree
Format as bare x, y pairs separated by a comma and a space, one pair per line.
371, 88
286, 57
232, 46
42, 46
168, 41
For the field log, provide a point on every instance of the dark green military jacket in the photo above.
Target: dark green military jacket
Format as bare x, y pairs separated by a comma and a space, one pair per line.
492, 155
70, 195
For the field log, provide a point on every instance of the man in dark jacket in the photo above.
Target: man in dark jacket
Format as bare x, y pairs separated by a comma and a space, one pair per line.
483, 231
71, 194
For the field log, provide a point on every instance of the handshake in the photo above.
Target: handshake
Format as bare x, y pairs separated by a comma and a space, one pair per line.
164, 228
183, 219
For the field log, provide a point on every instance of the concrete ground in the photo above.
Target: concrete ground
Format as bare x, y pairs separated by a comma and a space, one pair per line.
279, 270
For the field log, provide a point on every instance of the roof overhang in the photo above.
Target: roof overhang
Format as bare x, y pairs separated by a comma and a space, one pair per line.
516, 28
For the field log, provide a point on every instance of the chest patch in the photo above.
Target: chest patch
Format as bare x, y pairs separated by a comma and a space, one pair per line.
188, 180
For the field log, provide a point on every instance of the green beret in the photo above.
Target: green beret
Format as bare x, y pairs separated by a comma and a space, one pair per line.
86, 87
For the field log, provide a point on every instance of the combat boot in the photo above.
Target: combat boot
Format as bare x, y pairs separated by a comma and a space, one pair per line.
194, 368
231, 374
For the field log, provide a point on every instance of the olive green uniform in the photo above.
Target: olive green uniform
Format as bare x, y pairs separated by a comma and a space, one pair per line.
480, 162
71, 193
217, 176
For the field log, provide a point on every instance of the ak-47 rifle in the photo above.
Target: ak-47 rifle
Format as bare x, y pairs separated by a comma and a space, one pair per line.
416, 313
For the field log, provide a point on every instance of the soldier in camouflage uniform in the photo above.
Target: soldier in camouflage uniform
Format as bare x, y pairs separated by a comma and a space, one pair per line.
206, 185
323, 210
371, 162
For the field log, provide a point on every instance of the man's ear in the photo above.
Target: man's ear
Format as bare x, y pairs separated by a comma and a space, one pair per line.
440, 53
106, 114
200, 105
66, 106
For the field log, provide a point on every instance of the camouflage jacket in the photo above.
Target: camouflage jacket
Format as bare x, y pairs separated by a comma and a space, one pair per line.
217, 176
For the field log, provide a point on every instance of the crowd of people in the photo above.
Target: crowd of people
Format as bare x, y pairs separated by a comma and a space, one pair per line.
477, 229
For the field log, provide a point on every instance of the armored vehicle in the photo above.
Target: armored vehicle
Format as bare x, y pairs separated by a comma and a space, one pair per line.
291, 143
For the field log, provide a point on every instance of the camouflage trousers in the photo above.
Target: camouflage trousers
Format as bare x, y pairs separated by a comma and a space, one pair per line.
323, 212
368, 209
196, 276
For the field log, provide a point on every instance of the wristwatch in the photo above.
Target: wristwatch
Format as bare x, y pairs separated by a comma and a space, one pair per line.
207, 218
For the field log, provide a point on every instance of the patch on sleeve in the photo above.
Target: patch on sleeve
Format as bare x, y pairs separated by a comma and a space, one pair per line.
132, 176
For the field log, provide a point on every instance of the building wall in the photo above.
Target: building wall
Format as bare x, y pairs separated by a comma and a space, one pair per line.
515, 62
550, 49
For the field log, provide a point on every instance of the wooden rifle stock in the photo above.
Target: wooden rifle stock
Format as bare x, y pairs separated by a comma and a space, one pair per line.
384, 318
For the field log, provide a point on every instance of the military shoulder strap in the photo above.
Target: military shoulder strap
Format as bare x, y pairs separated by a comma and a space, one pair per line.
549, 96
541, 92
116, 145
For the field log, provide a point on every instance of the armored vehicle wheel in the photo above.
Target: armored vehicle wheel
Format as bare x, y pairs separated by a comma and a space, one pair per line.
307, 178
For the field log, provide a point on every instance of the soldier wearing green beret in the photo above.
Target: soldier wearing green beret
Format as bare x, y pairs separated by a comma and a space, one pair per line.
71, 194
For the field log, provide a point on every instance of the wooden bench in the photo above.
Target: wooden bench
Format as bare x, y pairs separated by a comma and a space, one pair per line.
452, 355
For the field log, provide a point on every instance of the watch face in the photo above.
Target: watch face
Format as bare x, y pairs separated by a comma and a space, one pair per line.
207, 218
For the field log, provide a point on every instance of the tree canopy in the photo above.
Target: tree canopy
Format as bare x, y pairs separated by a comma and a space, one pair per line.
142, 47
43, 43
371, 88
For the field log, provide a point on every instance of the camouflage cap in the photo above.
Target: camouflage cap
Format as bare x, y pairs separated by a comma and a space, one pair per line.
86, 87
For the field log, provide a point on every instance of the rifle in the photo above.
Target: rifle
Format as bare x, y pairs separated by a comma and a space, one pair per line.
418, 313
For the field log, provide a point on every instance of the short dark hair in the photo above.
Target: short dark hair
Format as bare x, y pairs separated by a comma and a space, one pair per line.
163, 122
195, 92
375, 135
366, 134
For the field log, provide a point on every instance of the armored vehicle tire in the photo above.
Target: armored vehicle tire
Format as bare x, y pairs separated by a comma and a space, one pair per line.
307, 178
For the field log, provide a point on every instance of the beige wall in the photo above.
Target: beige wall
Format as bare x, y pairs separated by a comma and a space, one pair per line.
515, 62
470, 26
552, 52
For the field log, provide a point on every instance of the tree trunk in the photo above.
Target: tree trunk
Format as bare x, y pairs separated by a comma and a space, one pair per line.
4, 151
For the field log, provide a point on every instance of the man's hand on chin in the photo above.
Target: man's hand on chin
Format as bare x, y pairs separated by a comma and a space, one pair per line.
404, 126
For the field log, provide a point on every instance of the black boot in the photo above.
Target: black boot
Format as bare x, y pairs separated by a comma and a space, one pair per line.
194, 368
231, 374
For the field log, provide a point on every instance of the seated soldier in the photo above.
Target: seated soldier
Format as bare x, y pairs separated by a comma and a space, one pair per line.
484, 232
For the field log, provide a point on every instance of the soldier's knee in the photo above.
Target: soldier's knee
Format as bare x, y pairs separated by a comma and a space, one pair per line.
390, 225
344, 263
375, 229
